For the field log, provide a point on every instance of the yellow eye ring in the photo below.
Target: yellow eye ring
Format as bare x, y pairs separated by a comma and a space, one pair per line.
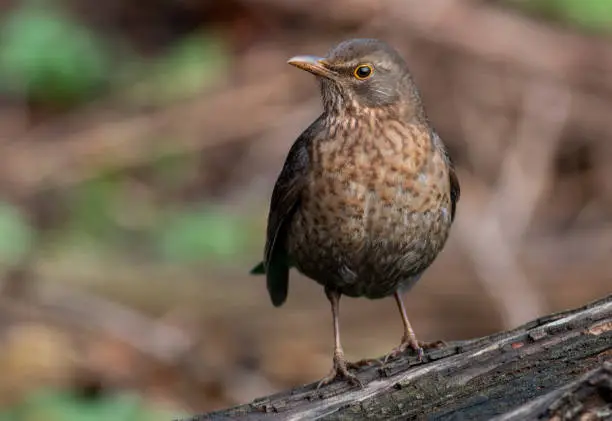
363, 71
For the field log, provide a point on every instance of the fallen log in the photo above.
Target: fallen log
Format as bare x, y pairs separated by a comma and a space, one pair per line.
556, 367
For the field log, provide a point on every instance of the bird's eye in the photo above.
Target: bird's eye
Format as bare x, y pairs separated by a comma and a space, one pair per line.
363, 71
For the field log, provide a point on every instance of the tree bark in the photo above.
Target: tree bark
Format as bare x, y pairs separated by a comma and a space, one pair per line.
556, 367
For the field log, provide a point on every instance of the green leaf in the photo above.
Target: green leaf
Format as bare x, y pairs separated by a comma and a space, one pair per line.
172, 168
7, 416
595, 15
200, 234
46, 55
188, 67
65, 406
16, 235
92, 206
60, 405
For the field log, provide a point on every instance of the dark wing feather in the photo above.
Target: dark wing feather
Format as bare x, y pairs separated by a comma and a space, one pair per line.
455, 188
285, 200
259, 269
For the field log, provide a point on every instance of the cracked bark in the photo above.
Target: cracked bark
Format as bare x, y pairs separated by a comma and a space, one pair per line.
556, 367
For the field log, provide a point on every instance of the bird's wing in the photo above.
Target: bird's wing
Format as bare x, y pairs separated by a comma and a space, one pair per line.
455, 188
285, 200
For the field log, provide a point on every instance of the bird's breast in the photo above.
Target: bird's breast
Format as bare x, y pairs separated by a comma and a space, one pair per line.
374, 212
385, 191
378, 177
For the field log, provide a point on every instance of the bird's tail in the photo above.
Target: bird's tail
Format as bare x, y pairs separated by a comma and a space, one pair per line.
258, 270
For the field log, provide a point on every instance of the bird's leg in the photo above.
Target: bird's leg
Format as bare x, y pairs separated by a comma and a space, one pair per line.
409, 338
340, 367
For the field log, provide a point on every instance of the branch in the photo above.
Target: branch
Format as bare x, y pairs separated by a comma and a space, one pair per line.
524, 373
568, 402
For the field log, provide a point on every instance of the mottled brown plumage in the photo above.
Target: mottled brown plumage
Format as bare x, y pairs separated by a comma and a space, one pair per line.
367, 195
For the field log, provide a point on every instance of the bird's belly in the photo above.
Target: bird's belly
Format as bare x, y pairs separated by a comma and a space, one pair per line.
365, 242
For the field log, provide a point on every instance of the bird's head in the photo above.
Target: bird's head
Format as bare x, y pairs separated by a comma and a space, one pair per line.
359, 75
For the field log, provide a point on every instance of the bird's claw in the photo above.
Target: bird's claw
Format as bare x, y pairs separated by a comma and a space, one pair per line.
341, 370
417, 346
395, 352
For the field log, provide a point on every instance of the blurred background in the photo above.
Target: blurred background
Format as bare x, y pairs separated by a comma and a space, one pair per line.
139, 143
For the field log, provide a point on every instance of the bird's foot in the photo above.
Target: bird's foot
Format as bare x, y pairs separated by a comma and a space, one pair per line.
397, 351
417, 346
341, 370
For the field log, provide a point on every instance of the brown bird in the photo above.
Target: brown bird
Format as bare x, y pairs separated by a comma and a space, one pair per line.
367, 195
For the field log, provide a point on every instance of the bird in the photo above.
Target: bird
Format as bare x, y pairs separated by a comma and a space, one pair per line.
367, 195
